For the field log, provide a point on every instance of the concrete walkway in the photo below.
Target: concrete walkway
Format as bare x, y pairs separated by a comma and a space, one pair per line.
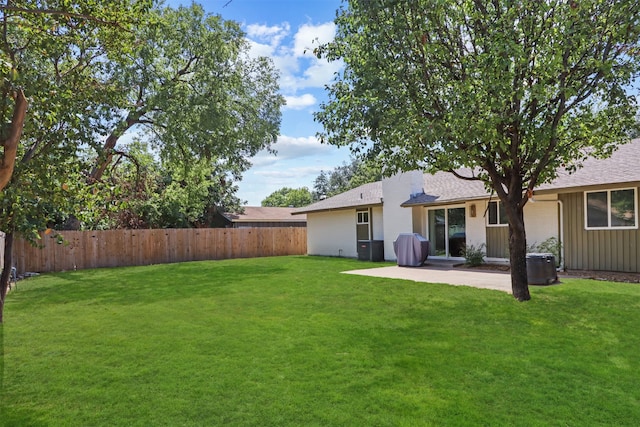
436, 272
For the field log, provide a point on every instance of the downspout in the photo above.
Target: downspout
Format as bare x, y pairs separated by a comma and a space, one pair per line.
561, 236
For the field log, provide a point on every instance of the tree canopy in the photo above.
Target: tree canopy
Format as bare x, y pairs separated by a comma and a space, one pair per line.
512, 90
346, 176
194, 92
289, 197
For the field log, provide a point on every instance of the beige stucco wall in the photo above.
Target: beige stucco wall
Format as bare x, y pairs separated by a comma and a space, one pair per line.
333, 233
541, 219
475, 226
397, 190
378, 223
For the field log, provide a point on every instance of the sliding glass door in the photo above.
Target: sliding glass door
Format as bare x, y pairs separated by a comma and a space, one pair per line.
447, 232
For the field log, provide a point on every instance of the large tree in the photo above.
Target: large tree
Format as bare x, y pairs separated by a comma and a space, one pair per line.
53, 61
289, 197
195, 93
69, 36
144, 191
513, 90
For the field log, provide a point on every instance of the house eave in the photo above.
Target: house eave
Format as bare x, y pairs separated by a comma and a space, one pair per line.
410, 204
337, 208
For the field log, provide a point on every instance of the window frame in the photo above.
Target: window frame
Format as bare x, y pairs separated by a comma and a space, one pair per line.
609, 226
362, 221
498, 216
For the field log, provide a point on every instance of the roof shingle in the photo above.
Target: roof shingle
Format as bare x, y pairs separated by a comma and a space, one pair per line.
444, 187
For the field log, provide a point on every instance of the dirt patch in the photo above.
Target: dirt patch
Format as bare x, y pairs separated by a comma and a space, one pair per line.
609, 276
485, 267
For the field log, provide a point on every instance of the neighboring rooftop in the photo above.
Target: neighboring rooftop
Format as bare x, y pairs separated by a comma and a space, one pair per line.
265, 214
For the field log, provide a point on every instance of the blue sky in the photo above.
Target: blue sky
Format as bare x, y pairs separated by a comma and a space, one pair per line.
283, 30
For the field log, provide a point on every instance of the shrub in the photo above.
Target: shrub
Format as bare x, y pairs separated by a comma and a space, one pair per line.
474, 255
553, 246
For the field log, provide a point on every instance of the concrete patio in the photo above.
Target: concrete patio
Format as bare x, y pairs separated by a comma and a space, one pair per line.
436, 271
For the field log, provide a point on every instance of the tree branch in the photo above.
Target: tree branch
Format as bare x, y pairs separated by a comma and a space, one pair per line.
466, 178
56, 12
10, 144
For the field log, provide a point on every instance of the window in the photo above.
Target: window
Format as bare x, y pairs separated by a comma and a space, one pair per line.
362, 225
363, 217
497, 215
611, 209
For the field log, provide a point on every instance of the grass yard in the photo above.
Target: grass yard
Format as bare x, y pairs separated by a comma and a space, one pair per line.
290, 341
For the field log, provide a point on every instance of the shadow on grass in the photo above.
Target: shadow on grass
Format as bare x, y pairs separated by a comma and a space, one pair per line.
1, 365
145, 284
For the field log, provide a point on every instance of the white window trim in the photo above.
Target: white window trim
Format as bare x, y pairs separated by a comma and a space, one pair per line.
609, 227
358, 217
499, 224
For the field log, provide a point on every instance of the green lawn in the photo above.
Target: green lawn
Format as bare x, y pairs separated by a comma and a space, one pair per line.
291, 341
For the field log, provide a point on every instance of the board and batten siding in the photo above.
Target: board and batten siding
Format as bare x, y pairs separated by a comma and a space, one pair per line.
498, 242
606, 250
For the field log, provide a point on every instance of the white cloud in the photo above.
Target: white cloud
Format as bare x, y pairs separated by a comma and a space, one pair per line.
293, 55
320, 73
309, 36
288, 147
273, 34
260, 49
261, 161
291, 173
300, 102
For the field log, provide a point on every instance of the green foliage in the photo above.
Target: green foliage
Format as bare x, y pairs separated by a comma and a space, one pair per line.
291, 341
145, 192
450, 84
474, 255
347, 176
195, 92
512, 91
58, 54
289, 197
183, 75
552, 245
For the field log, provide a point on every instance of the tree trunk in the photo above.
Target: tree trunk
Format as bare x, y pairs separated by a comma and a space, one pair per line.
5, 277
10, 144
518, 257
104, 160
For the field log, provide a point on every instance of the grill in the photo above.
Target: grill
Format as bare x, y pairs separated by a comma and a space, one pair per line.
411, 249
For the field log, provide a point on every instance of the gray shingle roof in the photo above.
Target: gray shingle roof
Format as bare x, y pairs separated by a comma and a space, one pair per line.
444, 187
365, 195
622, 167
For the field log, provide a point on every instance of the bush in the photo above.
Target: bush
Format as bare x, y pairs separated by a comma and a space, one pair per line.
473, 255
553, 246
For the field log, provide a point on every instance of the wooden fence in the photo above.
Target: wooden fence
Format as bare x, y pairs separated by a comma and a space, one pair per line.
116, 248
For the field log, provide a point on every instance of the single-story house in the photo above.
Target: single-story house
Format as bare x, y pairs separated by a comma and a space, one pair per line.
259, 216
593, 212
